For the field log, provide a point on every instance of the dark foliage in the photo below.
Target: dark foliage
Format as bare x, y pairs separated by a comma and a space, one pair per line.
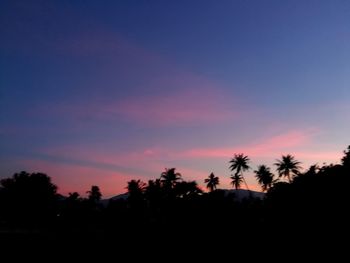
156, 214
28, 199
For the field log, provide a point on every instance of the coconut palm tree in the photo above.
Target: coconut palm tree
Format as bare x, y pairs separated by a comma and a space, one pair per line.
153, 189
136, 187
154, 193
237, 180
288, 167
187, 189
169, 178
239, 163
264, 177
212, 181
94, 194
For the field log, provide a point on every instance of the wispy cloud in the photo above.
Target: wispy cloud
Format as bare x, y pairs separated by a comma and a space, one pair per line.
193, 106
175, 108
266, 147
162, 94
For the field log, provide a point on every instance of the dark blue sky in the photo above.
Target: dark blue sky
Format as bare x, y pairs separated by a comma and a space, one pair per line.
98, 92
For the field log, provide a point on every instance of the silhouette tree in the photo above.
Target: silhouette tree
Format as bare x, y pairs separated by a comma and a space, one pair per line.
187, 189
313, 170
72, 209
288, 167
264, 177
29, 197
239, 163
94, 194
346, 158
237, 180
212, 181
136, 189
73, 196
153, 190
170, 178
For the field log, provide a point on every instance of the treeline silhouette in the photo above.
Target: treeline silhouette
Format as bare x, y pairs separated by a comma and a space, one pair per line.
303, 205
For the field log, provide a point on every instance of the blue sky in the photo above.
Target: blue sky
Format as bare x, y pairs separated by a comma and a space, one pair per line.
101, 93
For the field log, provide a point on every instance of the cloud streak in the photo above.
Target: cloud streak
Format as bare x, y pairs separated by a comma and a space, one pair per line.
105, 165
195, 103
144, 92
162, 94
268, 147
175, 108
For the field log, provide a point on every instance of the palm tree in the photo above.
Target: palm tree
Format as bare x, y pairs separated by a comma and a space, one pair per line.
187, 189
212, 181
135, 190
346, 158
288, 167
237, 180
154, 192
136, 187
264, 177
94, 194
239, 163
169, 178
73, 197
153, 189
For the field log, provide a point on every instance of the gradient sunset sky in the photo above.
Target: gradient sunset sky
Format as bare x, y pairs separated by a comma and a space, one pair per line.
102, 92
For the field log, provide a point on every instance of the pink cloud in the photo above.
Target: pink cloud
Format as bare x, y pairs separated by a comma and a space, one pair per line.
146, 164
319, 156
271, 146
103, 156
108, 167
184, 107
168, 95
70, 178
153, 159
293, 142
73, 176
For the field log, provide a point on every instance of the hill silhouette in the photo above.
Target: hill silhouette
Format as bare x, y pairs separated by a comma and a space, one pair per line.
237, 194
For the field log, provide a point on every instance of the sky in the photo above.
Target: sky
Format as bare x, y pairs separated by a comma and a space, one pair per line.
102, 92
